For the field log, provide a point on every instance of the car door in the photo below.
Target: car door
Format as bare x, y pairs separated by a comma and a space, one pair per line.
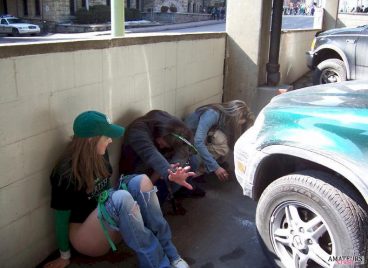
5, 25
2, 25
362, 55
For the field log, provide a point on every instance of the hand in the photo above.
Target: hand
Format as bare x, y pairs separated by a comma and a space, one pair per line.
180, 176
58, 263
222, 174
174, 166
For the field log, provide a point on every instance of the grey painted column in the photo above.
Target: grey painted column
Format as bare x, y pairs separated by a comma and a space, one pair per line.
117, 18
248, 29
331, 9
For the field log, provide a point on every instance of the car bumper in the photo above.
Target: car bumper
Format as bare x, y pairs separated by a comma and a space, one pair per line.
309, 58
29, 31
246, 157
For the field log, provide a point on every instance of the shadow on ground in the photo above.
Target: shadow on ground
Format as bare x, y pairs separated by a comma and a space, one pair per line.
304, 81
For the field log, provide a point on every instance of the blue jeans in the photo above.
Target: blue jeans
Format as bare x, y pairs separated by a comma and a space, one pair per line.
142, 225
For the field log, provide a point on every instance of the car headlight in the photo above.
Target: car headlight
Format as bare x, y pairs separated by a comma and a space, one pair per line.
244, 147
313, 44
240, 166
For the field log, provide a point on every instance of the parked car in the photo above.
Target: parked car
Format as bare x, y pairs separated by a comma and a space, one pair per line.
305, 161
339, 55
15, 26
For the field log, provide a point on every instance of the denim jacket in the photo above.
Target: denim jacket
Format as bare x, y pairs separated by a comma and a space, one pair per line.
201, 123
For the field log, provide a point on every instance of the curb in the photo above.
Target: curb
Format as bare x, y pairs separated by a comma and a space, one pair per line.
173, 26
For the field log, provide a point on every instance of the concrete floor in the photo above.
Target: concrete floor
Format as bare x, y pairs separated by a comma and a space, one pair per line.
217, 231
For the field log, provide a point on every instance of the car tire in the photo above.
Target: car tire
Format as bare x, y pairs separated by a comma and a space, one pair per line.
15, 32
329, 71
293, 209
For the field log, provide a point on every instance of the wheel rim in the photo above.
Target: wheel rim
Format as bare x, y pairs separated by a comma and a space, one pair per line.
300, 236
329, 76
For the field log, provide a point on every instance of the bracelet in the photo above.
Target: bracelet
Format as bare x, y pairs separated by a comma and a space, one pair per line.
65, 255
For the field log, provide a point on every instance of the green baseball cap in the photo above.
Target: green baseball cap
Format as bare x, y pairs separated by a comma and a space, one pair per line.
91, 124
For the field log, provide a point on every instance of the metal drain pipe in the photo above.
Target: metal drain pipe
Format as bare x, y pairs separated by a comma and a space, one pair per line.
273, 66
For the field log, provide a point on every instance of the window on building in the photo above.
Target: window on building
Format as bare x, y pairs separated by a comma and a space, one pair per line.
5, 5
37, 8
128, 3
25, 7
108, 2
84, 3
72, 7
137, 6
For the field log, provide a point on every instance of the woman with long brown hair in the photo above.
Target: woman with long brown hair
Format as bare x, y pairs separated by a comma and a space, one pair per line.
159, 144
217, 126
91, 217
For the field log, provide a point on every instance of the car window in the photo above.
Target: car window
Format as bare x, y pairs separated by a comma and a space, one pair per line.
3, 21
14, 21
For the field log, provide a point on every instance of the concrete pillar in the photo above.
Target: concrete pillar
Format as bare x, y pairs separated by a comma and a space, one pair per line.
331, 9
248, 29
117, 18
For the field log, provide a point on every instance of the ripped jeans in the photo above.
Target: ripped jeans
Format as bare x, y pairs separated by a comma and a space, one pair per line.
142, 226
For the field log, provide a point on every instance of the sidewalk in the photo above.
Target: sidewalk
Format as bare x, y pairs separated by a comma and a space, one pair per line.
174, 26
166, 27
144, 27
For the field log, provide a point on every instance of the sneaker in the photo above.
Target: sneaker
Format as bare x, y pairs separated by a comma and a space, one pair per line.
179, 263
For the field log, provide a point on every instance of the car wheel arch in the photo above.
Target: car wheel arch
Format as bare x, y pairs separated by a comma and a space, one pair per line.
293, 160
328, 52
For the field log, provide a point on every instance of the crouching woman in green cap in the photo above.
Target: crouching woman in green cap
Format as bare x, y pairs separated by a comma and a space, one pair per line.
92, 216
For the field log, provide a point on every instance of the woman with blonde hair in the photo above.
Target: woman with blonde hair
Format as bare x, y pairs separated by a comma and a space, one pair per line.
217, 126
91, 216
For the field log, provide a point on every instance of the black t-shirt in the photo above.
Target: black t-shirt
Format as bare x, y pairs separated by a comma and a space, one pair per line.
66, 196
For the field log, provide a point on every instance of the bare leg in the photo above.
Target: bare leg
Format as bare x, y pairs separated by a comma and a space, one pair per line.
88, 237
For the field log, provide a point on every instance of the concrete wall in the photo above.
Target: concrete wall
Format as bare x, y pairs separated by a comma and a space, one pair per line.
247, 27
45, 86
352, 20
293, 46
330, 13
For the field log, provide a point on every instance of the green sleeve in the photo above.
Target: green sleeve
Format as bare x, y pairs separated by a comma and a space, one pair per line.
62, 229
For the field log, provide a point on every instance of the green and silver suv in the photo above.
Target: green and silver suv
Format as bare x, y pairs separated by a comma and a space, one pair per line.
305, 161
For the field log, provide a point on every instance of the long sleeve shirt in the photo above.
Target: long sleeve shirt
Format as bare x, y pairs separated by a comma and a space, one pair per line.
201, 123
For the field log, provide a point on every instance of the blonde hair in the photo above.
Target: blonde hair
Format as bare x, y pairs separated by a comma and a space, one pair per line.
82, 164
231, 113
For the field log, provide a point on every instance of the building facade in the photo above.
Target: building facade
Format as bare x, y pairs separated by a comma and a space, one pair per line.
63, 10
46, 10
